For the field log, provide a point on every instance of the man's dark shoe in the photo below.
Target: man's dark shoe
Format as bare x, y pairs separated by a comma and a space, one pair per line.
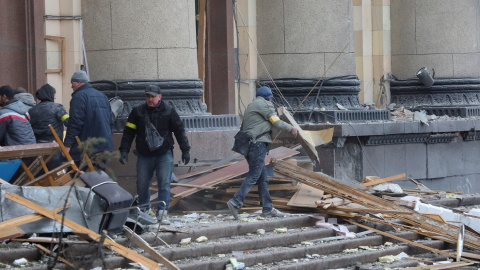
233, 209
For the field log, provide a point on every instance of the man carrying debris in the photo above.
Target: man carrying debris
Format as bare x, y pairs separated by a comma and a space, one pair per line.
258, 121
165, 120
90, 117
15, 127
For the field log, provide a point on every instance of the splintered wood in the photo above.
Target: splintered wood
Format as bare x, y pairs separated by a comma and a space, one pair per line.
420, 223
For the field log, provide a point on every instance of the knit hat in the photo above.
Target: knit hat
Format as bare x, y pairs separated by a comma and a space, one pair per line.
265, 92
19, 90
152, 90
8, 91
80, 76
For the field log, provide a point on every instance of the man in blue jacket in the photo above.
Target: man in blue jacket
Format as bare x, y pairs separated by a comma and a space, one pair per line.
90, 117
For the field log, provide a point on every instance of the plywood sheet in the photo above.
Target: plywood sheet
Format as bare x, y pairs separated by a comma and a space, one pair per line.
306, 196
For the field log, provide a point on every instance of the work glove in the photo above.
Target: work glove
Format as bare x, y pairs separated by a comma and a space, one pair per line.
185, 157
123, 158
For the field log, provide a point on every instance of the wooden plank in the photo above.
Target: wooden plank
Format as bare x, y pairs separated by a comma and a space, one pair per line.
28, 150
234, 170
302, 136
141, 243
415, 219
306, 197
451, 255
49, 240
10, 233
270, 187
384, 180
25, 219
53, 254
452, 265
127, 253
3, 182
41, 177
192, 186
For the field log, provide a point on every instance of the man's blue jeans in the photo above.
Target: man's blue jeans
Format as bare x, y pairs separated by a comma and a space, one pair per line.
163, 166
257, 174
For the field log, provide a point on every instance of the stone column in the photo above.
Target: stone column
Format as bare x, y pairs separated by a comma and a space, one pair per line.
140, 40
372, 48
441, 35
302, 38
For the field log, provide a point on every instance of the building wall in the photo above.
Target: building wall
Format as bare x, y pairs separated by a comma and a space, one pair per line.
302, 38
437, 34
148, 39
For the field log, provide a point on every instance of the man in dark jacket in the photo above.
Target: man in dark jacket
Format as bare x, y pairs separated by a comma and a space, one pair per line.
166, 120
90, 117
46, 113
15, 128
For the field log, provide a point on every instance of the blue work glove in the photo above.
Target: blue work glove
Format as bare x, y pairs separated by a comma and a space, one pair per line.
185, 157
123, 158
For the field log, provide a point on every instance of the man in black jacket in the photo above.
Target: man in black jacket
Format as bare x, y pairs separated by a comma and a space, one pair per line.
46, 113
166, 120
90, 117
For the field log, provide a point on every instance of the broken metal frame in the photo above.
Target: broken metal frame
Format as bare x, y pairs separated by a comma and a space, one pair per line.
128, 253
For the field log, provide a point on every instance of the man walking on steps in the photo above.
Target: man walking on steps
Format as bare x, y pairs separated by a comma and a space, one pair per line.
258, 121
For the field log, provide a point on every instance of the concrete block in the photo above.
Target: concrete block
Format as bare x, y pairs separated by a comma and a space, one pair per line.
348, 162
412, 127
163, 24
373, 161
318, 26
445, 26
437, 161
344, 65
453, 153
129, 64
432, 127
292, 66
270, 27
465, 124
97, 23
446, 126
466, 65
395, 159
416, 160
394, 128
362, 129
405, 66
469, 157
403, 27
182, 63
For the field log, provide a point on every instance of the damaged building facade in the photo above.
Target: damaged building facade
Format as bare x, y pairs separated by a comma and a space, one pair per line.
210, 63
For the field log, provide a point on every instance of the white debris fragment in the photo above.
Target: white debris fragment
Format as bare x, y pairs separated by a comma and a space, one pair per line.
19, 262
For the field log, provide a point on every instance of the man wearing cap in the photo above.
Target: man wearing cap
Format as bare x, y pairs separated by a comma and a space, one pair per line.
258, 121
90, 117
167, 121
15, 127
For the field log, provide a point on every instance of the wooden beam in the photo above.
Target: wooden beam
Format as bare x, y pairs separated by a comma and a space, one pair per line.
302, 136
53, 254
41, 177
451, 255
141, 243
127, 253
25, 219
10, 233
383, 180
270, 187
